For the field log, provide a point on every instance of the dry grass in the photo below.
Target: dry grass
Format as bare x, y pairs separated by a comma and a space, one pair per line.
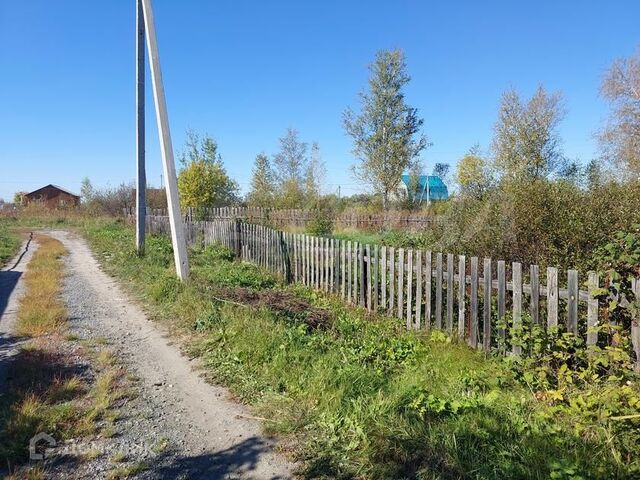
41, 310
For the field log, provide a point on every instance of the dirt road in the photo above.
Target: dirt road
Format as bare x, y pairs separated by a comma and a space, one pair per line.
179, 425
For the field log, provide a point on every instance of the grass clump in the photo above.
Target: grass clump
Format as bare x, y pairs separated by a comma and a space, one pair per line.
9, 244
127, 471
41, 310
367, 399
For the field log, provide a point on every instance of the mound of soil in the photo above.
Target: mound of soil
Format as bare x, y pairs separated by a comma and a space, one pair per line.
280, 302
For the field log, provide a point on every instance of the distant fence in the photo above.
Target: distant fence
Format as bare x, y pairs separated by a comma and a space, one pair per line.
299, 218
467, 296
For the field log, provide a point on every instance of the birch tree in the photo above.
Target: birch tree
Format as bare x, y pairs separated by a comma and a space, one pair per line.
620, 138
526, 143
386, 133
290, 164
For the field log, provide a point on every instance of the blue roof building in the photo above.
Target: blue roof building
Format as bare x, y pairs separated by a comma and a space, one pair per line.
431, 188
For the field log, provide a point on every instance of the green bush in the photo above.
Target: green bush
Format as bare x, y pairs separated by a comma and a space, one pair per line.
321, 222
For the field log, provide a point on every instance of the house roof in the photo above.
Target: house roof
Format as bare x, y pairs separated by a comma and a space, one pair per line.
56, 187
434, 181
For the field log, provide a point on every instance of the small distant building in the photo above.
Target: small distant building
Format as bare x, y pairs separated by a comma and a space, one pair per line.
430, 188
53, 196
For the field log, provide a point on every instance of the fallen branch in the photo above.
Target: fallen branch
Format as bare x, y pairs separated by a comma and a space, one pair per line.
250, 417
626, 417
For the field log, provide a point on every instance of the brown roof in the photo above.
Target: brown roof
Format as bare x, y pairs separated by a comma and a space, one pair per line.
54, 186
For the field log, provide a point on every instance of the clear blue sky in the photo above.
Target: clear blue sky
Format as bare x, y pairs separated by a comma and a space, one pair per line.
245, 71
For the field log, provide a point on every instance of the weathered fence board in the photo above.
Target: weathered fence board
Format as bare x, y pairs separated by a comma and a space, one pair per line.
438, 290
473, 325
516, 280
486, 307
409, 289
462, 287
400, 288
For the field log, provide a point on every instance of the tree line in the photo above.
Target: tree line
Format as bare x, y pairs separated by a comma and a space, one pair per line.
389, 140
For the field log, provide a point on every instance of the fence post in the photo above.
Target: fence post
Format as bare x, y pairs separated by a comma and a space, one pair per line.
439, 290
635, 327
462, 287
534, 301
502, 290
238, 239
400, 282
450, 292
473, 303
428, 277
285, 258
409, 289
592, 310
419, 279
516, 279
362, 274
552, 298
572, 301
486, 319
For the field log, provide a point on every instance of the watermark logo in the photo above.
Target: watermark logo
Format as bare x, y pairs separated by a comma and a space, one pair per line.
39, 443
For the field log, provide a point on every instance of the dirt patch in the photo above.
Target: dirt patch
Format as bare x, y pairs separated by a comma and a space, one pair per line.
283, 303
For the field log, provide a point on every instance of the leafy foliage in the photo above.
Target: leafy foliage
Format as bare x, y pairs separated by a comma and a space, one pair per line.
386, 134
321, 221
203, 182
263, 186
473, 175
526, 142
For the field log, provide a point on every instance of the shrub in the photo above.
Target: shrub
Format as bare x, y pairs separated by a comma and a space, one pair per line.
321, 222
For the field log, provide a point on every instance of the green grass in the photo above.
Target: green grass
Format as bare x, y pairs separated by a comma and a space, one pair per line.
366, 399
390, 238
9, 244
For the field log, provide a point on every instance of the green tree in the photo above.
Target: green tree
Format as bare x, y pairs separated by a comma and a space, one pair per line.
386, 132
442, 170
19, 198
411, 201
473, 174
203, 181
314, 175
526, 143
262, 183
620, 138
87, 192
290, 165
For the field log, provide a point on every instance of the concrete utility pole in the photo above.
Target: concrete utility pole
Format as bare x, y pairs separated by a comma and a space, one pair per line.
166, 149
141, 177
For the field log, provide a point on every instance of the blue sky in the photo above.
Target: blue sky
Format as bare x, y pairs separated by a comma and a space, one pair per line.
245, 71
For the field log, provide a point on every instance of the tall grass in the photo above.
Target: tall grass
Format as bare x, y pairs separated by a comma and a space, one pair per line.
41, 310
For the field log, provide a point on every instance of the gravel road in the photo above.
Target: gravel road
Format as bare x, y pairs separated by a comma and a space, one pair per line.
179, 425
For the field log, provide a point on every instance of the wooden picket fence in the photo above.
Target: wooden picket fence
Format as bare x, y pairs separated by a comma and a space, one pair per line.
483, 301
299, 218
